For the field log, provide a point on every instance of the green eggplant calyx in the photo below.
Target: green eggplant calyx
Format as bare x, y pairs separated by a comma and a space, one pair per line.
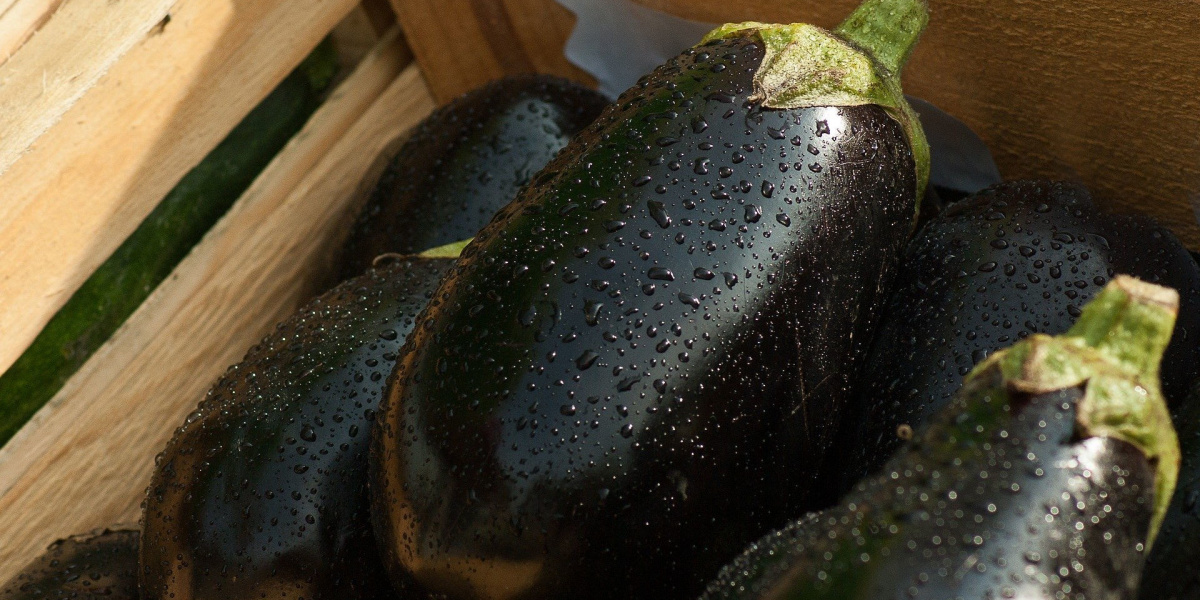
804, 65
859, 63
1114, 351
451, 250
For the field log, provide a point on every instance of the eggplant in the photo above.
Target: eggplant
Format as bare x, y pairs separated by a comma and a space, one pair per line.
1046, 478
262, 492
100, 564
634, 369
1019, 258
465, 162
1171, 572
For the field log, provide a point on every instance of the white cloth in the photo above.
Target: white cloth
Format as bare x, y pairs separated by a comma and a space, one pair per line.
618, 41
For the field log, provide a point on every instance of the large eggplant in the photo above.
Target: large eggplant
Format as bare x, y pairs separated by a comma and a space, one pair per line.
262, 492
637, 366
1018, 258
92, 566
465, 162
1171, 572
1046, 478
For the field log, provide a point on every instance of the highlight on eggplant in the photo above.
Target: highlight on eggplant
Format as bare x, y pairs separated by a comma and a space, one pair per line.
263, 490
1048, 476
98, 565
655, 321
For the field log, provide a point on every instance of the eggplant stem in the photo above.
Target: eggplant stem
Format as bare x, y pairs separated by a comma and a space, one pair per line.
1130, 321
886, 29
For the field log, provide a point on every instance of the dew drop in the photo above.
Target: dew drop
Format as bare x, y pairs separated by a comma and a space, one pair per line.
659, 213
660, 274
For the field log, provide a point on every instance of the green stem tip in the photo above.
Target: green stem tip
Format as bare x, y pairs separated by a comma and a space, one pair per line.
451, 250
1130, 321
887, 29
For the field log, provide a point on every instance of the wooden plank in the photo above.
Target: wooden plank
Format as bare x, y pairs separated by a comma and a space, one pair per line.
87, 457
1100, 92
88, 181
75, 49
19, 20
463, 44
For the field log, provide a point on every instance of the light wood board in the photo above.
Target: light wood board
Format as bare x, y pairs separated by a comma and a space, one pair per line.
463, 44
85, 459
76, 47
1102, 92
19, 20
125, 139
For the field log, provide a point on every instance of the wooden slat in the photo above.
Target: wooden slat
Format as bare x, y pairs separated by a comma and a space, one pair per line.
19, 20
463, 44
52, 72
88, 181
86, 458
1107, 93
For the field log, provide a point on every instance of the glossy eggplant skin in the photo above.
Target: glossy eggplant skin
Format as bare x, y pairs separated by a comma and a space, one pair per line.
636, 367
465, 162
1018, 258
1171, 572
263, 489
100, 564
1031, 510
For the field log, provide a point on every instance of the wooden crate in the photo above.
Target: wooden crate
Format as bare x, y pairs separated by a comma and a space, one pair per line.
84, 163
104, 105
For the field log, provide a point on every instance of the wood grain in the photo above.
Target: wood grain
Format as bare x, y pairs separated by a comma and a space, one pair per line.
19, 20
85, 459
119, 148
52, 72
463, 44
1106, 93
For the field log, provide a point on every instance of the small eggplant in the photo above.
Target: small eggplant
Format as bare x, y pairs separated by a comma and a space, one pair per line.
100, 564
636, 367
465, 162
262, 492
1016, 259
1046, 478
1171, 569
